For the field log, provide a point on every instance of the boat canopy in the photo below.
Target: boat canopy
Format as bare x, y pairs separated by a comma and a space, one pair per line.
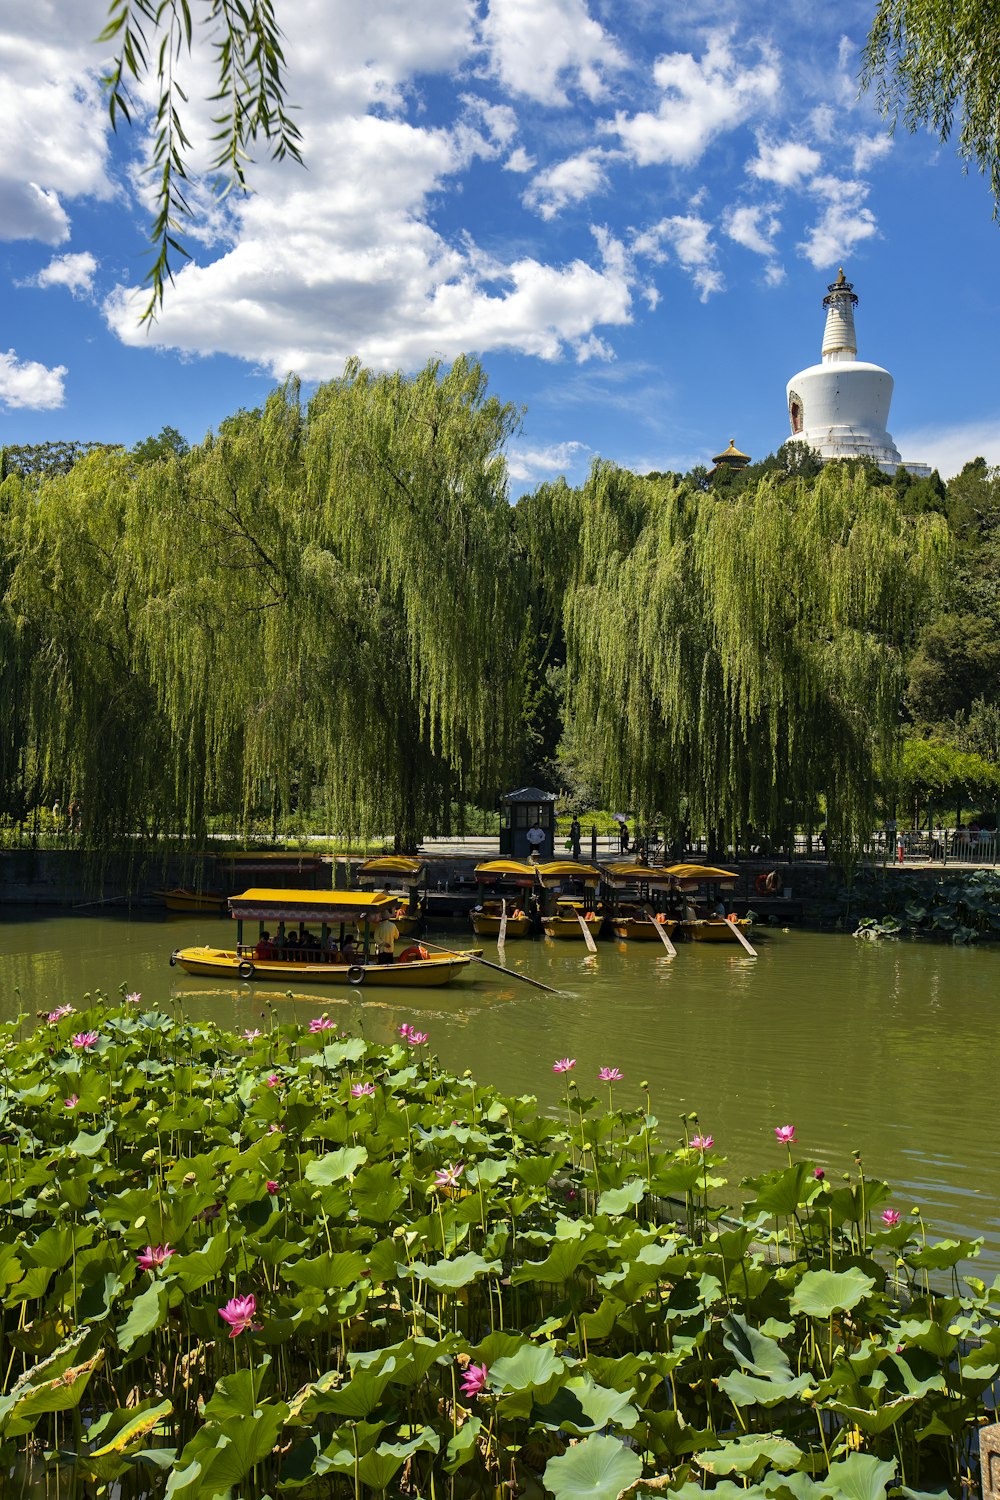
692, 875
409, 871
505, 869
557, 870
626, 872
309, 906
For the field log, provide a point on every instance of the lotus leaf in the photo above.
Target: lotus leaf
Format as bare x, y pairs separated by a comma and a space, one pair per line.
748, 1390
450, 1275
619, 1200
860, 1476
599, 1468
462, 1446
821, 1293
148, 1311
326, 1170
752, 1452
580, 1406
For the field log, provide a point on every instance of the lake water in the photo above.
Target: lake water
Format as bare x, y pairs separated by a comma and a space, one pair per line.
888, 1049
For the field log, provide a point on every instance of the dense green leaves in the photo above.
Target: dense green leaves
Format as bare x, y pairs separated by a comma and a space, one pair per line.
387, 1333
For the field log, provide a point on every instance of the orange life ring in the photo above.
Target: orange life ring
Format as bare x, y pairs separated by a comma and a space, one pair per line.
769, 884
411, 954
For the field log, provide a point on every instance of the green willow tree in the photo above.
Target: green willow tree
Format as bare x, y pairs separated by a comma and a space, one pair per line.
930, 62
737, 660
317, 603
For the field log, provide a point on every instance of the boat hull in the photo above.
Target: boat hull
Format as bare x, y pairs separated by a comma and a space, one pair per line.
569, 927
712, 930
485, 925
220, 963
634, 930
181, 900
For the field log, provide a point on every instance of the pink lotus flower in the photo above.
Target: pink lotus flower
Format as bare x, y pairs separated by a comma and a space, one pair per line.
417, 1038
610, 1075
818, 1173
404, 1030
474, 1380
272, 1188
890, 1217
72, 1101
362, 1091
703, 1142
275, 1129
273, 1080
322, 1023
133, 998
154, 1257
447, 1177
251, 1036
564, 1065
239, 1313
84, 1040
786, 1134
57, 1015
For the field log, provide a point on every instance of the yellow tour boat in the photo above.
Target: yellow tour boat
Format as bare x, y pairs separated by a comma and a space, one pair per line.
405, 874
486, 923
635, 928
566, 921
713, 929
554, 873
278, 959
514, 873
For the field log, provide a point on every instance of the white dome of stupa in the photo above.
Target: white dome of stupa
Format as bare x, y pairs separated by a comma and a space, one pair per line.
841, 406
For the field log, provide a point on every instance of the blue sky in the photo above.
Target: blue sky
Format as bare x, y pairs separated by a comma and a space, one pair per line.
629, 214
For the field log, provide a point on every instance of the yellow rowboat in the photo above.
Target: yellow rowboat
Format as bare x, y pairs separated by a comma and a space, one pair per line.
487, 924
624, 874
642, 930
183, 900
566, 921
713, 929
689, 877
421, 973
398, 867
273, 956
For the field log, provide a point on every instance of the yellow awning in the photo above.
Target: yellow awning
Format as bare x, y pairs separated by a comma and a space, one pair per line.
496, 869
695, 874
264, 905
555, 870
411, 871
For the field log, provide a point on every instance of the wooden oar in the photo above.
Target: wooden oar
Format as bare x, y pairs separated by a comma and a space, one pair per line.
502, 938
664, 939
507, 973
587, 938
732, 925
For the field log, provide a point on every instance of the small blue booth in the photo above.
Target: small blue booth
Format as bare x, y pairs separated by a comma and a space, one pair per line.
522, 810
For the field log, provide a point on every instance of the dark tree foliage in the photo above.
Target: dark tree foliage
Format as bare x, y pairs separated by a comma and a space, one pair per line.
44, 460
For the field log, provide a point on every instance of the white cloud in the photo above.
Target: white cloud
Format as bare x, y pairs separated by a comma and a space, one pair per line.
26, 383
774, 274
786, 164
870, 148
689, 236
526, 465
539, 48
519, 161
499, 119
53, 123
753, 227
568, 181
843, 223
949, 448
701, 99
74, 272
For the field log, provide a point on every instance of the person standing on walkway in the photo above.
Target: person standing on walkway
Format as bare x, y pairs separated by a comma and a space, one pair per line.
574, 836
536, 838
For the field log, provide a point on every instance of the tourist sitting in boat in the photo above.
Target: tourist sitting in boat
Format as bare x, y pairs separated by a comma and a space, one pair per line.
264, 948
385, 934
330, 949
349, 952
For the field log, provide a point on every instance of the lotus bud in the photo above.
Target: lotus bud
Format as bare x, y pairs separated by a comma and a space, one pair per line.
315, 1197
915, 1212
153, 1123
150, 1155
190, 1178
644, 1084
693, 1117
467, 1073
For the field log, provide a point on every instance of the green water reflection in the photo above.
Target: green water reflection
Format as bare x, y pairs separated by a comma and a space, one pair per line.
887, 1049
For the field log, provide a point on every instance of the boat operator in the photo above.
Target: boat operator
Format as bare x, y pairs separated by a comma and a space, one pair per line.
385, 933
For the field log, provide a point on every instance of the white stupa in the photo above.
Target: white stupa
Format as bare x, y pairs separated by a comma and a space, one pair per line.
841, 406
